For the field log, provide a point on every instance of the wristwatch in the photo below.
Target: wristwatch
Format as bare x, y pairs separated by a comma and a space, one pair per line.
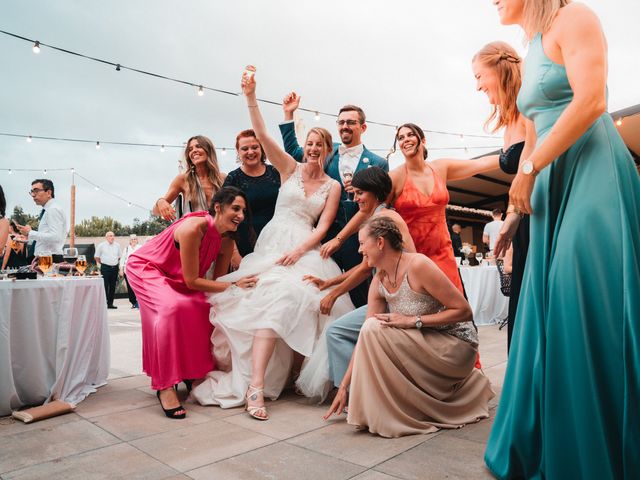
528, 168
418, 322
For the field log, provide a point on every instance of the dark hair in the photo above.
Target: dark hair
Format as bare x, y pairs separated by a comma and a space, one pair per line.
354, 108
374, 180
46, 185
225, 196
251, 134
3, 203
386, 228
496, 211
417, 131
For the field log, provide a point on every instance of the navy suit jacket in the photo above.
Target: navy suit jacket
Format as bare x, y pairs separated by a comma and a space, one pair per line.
346, 209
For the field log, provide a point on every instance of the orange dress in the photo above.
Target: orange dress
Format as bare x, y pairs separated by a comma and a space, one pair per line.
425, 217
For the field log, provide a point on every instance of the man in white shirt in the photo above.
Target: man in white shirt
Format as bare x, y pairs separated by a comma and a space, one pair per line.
108, 257
129, 249
492, 229
52, 230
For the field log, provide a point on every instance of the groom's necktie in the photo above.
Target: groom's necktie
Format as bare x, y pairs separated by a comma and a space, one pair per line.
32, 248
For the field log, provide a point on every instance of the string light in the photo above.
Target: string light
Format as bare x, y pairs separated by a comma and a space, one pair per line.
224, 151
96, 188
162, 148
462, 137
117, 67
619, 122
29, 139
97, 145
44, 171
200, 88
129, 204
36, 47
316, 117
10, 172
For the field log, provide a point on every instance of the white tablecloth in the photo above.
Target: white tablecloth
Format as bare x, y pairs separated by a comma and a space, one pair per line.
54, 340
482, 285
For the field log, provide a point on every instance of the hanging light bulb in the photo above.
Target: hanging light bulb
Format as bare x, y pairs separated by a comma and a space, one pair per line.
619, 122
117, 67
29, 139
162, 148
73, 170
10, 172
466, 150
224, 151
44, 171
129, 204
36, 47
200, 91
96, 188
461, 137
97, 145
316, 117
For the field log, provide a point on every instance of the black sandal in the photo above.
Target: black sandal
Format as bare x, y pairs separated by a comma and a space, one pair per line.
188, 384
172, 412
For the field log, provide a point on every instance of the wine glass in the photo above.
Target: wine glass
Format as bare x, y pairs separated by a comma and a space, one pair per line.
45, 262
347, 175
70, 254
479, 258
81, 264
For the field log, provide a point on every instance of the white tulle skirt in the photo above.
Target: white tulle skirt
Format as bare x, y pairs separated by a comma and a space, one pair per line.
281, 305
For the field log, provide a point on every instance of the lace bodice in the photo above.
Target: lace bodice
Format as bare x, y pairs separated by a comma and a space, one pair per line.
294, 206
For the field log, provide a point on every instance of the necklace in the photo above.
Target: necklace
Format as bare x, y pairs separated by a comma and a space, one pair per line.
394, 284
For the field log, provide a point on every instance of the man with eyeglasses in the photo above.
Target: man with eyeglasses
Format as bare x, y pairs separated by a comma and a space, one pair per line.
52, 229
347, 159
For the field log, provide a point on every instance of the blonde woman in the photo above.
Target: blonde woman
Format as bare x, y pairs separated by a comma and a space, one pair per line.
257, 330
569, 406
197, 185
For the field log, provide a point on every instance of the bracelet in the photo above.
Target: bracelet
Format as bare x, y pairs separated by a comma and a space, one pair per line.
252, 106
513, 209
339, 239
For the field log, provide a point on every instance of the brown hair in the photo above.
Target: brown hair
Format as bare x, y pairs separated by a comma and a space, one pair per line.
251, 134
417, 132
384, 227
213, 170
538, 15
354, 108
505, 61
327, 141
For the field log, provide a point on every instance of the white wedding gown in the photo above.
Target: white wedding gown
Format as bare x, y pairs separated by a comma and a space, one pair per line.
281, 302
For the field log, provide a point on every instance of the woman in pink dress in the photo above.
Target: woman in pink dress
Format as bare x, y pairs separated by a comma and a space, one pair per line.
168, 277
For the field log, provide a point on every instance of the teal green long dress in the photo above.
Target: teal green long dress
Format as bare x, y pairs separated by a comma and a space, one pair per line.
570, 406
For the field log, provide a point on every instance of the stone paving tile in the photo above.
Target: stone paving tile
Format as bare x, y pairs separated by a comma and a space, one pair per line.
343, 441
20, 450
496, 374
444, 456
120, 461
280, 461
286, 419
143, 422
112, 402
476, 432
373, 475
193, 447
124, 383
9, 425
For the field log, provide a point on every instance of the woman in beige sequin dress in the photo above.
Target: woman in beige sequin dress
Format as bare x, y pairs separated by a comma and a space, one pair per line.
413, 368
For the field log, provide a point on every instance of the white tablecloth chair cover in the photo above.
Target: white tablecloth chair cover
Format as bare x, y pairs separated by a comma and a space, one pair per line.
482, 285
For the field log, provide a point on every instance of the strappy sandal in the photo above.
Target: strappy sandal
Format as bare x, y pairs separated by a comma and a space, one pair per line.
252, 394
172, 413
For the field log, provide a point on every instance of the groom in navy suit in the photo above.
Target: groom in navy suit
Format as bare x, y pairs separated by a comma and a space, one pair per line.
347, 158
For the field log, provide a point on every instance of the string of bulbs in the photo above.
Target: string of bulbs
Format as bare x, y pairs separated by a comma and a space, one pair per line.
200, 88
75, 174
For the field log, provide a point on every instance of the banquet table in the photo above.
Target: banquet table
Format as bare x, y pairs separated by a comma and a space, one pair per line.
54, 340
482, 284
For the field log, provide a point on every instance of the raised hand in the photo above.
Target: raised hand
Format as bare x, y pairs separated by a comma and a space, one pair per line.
248, 82
290, 104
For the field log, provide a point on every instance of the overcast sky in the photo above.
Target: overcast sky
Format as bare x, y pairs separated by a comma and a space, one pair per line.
400, 61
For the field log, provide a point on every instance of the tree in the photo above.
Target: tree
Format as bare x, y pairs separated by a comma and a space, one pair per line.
24, 218
97, 227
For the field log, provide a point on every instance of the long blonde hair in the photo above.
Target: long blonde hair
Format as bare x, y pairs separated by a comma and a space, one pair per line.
538, 15
213, 171
505, 61
327, 143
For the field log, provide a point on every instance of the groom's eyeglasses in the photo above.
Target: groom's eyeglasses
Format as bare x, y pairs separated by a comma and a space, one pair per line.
351, 123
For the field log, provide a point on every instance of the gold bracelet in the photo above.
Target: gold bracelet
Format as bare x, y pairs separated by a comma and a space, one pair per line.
513, 209
252, 106
339, 238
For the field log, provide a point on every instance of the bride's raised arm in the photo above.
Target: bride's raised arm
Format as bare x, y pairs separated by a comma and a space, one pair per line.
284, 163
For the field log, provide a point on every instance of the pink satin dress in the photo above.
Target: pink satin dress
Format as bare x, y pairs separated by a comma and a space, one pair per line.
176, 330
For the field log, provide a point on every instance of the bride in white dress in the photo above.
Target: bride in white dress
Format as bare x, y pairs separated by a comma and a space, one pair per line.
257, 330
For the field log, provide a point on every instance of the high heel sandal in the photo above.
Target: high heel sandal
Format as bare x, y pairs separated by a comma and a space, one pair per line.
252, 394
188, 384
172, 412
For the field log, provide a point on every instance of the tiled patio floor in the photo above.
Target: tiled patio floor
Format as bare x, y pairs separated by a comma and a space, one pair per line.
120, 432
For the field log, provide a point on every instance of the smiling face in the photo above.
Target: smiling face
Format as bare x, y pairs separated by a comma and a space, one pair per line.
366, 201
487, 81
110, 237
350, 128
228, 217
510, 11
370, 247
249, 151
196, 152
314, 148
409, 142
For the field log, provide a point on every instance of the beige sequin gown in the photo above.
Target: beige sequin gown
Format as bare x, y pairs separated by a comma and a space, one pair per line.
410, 381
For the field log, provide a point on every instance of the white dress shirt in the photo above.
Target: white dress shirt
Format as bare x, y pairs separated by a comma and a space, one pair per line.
108, 253
52, 230
349, 159
129, 249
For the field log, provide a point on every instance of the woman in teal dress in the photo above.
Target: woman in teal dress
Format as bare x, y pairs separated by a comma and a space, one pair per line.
570, 405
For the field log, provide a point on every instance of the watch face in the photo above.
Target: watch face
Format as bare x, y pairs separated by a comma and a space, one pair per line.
527, 167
